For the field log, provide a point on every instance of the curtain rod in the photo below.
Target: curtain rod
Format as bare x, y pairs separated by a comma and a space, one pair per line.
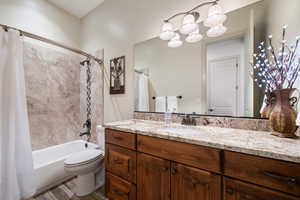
37, 37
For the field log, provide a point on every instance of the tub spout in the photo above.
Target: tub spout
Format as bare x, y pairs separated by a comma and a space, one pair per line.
85, 133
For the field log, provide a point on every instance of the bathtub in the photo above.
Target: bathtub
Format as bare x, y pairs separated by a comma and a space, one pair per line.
49, 163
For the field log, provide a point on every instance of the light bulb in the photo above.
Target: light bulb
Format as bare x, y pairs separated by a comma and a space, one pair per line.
167, 31
215, 20
215, 16
188, 24
194, 37
216, 31
175, 41
215, 9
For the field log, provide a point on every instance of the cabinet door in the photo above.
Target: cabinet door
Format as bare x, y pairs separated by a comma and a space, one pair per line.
121, 162
237, 190
153, 179
194, 184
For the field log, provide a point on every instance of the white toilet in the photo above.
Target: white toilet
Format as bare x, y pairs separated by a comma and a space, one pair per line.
84, 165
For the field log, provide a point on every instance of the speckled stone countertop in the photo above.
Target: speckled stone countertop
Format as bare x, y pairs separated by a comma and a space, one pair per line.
244, 141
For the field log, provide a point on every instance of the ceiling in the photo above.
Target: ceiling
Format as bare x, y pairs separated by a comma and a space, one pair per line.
78, 8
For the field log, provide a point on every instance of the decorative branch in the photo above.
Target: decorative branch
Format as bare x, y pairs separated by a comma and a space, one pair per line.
273, 72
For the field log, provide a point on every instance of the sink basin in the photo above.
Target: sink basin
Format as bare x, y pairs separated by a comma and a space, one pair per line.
181, 130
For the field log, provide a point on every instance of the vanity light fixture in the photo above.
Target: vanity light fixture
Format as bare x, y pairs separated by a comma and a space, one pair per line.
190, 25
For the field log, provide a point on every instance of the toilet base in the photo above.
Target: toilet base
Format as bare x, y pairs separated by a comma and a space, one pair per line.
85, 184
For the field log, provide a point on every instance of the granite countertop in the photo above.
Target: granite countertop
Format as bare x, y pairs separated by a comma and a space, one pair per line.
244, 141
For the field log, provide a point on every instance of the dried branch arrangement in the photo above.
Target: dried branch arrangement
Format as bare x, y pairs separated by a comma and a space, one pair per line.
276, 69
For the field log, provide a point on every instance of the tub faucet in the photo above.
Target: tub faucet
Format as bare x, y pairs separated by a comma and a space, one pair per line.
87, 124
85, 133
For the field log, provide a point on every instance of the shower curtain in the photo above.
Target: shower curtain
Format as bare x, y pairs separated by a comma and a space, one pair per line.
16, 164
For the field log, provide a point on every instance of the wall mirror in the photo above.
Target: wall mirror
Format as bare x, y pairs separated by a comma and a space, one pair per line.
211, 77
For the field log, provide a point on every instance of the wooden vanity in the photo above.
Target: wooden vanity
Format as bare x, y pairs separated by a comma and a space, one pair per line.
150, 168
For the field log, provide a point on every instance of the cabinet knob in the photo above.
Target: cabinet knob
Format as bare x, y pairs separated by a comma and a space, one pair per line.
139, 143
195, 183
230, 191
173, 171
165, 169
117, 138
117, 192
116, 161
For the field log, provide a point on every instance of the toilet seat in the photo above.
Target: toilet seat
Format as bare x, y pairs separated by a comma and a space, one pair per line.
84, 158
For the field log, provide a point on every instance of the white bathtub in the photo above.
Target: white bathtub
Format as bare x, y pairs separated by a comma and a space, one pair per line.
49, 163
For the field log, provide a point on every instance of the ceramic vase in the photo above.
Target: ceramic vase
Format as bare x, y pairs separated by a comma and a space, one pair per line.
283, 115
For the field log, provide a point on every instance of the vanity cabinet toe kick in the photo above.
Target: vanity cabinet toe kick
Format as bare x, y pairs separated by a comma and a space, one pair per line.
141, 167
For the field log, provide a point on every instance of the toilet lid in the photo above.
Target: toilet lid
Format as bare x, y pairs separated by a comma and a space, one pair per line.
83, 156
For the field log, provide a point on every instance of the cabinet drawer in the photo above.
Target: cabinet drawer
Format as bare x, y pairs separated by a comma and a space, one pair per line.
118, 189
121, 162
193, 155
123, 139
280, 175
237, 190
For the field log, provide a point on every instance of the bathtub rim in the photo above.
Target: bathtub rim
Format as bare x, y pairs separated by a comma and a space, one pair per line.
60, 158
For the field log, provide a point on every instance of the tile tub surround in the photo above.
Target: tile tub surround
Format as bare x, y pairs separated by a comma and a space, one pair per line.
55, 95
259, 143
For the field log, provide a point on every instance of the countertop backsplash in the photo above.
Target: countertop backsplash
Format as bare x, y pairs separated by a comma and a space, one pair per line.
223, 122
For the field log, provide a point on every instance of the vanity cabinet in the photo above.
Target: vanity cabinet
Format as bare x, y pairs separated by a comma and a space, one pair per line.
150, 168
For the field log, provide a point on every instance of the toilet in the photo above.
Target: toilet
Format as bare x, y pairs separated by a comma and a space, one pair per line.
85, 165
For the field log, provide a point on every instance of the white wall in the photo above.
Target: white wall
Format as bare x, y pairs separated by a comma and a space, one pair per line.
41, 18
117, 25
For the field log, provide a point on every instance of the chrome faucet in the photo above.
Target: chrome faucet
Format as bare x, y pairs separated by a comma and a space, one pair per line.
188, 120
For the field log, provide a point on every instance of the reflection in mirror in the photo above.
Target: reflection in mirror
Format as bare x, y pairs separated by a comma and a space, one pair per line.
212, 77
